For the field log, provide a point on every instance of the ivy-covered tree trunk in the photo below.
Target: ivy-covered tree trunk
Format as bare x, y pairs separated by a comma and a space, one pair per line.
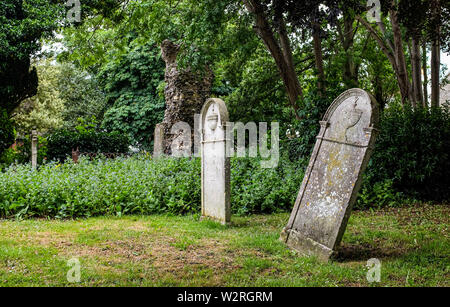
185, 92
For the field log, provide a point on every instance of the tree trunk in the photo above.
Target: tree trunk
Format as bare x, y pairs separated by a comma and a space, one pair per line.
435, 70
394, 54
347, 40
399, 53
280, 51
379, 91
319, 59
416, 72
435, 55
425, 73
185, 93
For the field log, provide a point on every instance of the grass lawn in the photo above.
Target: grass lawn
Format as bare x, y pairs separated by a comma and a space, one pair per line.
412, 244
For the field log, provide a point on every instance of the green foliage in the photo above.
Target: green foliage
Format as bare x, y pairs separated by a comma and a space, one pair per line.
22, 25
255, 189
87, 138
8, 157
81, 94
413, 153
303, 133
42, 111
131, 86
6, 131
379, 195
269, 102
139, 185
22, 153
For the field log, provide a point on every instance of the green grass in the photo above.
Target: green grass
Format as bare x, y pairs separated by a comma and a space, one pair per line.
412, 244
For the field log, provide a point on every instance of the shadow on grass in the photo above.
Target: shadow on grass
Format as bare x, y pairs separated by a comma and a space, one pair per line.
363, 252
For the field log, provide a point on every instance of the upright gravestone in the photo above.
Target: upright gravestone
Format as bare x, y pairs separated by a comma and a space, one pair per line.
158, 141
333, 176
34, 144
215, 163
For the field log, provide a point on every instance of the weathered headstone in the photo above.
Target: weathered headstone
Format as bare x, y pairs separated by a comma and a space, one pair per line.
158, 142
333, 176
215, 163
34, 144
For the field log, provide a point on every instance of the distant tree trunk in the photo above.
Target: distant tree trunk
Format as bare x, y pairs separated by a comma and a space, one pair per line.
346, 36
402, 71
319, 59
394, 53
379, 91
435, 70
416, 72
280, 51
435, 55
425, 72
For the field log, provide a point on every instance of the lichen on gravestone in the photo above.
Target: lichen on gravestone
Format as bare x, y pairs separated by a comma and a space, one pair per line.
334, 174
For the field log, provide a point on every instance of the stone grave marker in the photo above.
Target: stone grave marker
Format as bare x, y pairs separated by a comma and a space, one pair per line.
215, 163
333, 177
34, 150
158, 142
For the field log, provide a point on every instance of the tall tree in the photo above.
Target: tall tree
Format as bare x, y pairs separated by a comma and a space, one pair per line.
22, 24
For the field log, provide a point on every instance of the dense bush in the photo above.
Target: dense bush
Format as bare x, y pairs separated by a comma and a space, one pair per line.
87, 138
138, 185
23, 150
21, 153
255, 189
411, 157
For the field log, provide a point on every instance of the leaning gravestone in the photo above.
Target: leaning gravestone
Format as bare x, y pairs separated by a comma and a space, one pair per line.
333, 176
215, 163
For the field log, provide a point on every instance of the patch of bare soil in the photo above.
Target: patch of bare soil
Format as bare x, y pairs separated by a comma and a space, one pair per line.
47, 238
157, 252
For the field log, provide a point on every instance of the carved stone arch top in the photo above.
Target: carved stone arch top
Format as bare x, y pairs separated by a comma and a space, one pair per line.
351, 118
214, 107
